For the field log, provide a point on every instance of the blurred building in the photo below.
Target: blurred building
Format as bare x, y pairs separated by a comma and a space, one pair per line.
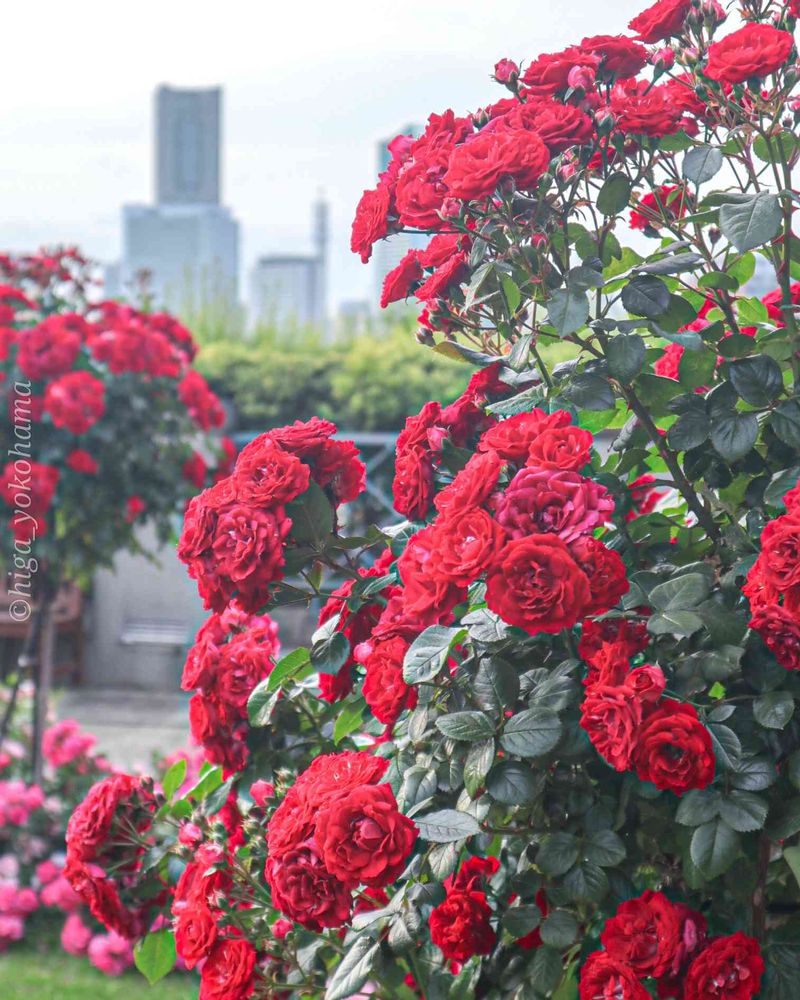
186, 245
290, 289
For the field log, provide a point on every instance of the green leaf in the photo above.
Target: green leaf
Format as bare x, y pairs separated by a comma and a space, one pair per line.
560, 929
311, 514
586, 882
702, 163
673, 264
446, 825
291, 666
751, 223
155, 955
347, 721
777, 146
354, 969
727, 747
719, 279
521, 920
480, 758
698, 806
734, 434
743, 811
679, 623
626, 356
714, 848
680, 593
758, 379
512, 783
467, 726
546, 970
773, 709
496, 684
696, 368
511, 292
428, 653
791, 855
206, 784
658, 391
646, 295
531, 733
784, 819
567, 310
785, 422
690, 430
754, 774
261, 704
604, 849
330, 648
174, 778
558, 853
588, 391
614, 194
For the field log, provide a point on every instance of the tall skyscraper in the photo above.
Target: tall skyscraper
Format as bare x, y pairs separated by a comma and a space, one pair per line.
290, 289
187, 243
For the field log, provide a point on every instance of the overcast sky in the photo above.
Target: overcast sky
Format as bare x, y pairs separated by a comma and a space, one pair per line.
310, 87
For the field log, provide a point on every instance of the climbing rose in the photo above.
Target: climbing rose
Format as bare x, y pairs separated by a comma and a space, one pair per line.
730, 968
754, 51
673, 749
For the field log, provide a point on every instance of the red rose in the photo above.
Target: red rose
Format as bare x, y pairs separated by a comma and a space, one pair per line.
194, 470
647, 683
660, 207
195, 933
242, 663
668, 365
477, 166
228, 971
537, 585
639, 108
205, 880
781, 633
780, 552
421, 190
305, 438
604, 978
426, 597
512, 438
397, 283
75, 401
605, 570
449, 273
462, 548
611, 717
663, 19
89, 826
542, 500
363, 838
673, 749
291, 824
729, 968
774, 303
472, 486
473, 874
629, 634
203, 405
384, 690
336, 773
644, 934
414, 463
558, 125
41, 480
754, 51
340, 470
441, 248
460, 926
266, 475
370, 223
621, 57
305, 891
561, 447
48, 349
81, 461
549, 74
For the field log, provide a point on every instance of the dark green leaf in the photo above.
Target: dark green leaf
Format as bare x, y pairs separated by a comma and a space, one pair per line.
531, 733
743, 811
348, 720
586, 882
727, 747
521, 920
467, 726
784, 820
714, 848
690, 430
291, 666
480, 758
496, 684
512, 783
588, 391
754, 774
678, 623
646, 295
698, 806
604, 849
696, 368
353, 970
785, 422
680, 593
614, 194
446, 825
758, 379
751, 223
625, 356
734, 434
546, 970
560, 929
174, 778
674, 264
558, 853
567, 310
261, 704
428, 653
311, 514
330, 648
773, 709
702, 163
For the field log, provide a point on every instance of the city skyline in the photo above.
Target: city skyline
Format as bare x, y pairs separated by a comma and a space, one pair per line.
77, 141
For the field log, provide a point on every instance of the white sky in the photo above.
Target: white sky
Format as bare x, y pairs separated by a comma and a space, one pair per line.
309, 89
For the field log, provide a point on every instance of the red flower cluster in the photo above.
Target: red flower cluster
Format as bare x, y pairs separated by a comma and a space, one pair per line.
338, 827
751, 53
232, 652
773, 585
460, 926
75, 401
632, 726
652, 938
154, 344
235, 532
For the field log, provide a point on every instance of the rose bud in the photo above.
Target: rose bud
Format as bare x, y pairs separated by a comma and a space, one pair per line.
506, 71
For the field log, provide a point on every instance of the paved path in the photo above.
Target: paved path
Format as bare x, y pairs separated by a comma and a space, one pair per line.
131, 726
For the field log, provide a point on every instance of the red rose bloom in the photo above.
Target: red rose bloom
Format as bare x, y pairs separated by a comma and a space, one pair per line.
426, 597
195, 933
75, 401
266, 475
48, 349
447, 274
228, 971
194, 470
754, 51
780, 552
363, 838
462, 548
644, 934
611, 716
292, 822
663, 19
781, 633
604, 978
537, 585
561, 447
460, 926
304, 890
370, 223
729, 968
631, 636
384, 690
558, 125
673, 749
660, 207
81, 461
421, 190
203, 405
336, 773
549, 74
642, 109
36, 481
605, 570
90, 824
542, 500
621, 57
477, 166
414, 463
472, 486
512, 438
397, 283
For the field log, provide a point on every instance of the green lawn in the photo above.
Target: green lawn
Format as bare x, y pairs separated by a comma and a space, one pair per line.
28, 974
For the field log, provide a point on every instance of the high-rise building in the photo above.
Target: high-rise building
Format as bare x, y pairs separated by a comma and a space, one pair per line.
290, 289
186, 245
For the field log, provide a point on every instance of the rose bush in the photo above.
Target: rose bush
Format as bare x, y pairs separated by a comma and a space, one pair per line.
543, 742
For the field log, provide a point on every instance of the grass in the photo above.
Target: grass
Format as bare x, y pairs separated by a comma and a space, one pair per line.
28, 973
